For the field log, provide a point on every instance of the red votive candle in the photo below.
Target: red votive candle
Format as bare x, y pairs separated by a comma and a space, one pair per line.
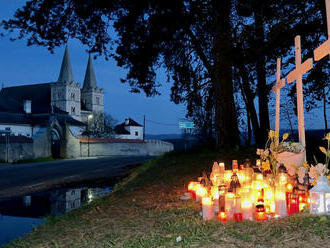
222, 216
238, 216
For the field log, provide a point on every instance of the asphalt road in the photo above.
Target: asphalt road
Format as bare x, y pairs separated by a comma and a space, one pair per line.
18, 179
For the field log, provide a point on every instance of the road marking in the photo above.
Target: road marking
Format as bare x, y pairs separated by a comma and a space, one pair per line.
35, 185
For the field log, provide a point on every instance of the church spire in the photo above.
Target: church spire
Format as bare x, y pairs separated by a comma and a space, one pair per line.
90, 80
66, 74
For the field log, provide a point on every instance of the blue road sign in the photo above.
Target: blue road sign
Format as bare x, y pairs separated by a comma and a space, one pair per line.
186, 124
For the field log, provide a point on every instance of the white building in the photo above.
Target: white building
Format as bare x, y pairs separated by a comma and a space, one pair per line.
129, 129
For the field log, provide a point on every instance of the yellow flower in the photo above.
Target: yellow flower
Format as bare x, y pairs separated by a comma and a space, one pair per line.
271, 134
327, 137
305, 164
314, 182
265, 165
323, 150
285, 136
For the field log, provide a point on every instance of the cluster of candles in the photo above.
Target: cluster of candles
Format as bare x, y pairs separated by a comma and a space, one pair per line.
247, 193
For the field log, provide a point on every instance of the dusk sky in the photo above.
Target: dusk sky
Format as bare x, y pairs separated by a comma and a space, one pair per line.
20, 65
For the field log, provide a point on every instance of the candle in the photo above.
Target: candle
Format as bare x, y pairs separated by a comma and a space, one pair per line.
280, 202
227, 177
238, 217
222, 167
222, 193
222, 216
247, 208
207, 208
200, 192
293, 206
229, 205
237, 210
234, 165
302, 201
260, 216
192, 188
269, 200
215, 197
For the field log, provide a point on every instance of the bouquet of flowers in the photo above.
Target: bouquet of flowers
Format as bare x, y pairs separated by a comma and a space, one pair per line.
268, 155
321, 169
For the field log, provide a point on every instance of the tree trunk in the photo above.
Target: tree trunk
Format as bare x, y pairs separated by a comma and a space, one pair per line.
261, 71
250, 104
248, 142
225, 112
325, 111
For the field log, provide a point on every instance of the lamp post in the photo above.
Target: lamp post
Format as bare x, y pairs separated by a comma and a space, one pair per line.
89, 118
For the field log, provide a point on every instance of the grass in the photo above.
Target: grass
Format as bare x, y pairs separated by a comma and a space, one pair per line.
145, 211
35, 160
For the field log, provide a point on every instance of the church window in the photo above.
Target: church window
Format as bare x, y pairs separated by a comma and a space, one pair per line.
97, 100
136, 133
72, 96
58, 95
73, 110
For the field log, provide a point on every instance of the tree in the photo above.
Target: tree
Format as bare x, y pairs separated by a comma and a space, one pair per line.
100, 125
199, 43
191, 39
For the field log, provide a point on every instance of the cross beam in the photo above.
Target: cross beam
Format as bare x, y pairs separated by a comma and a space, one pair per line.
296, 75
280, 82
324, 49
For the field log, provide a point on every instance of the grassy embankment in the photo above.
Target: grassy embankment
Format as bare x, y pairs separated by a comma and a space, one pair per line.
145, 211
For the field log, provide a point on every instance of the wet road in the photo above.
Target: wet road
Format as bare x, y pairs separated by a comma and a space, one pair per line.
20, 179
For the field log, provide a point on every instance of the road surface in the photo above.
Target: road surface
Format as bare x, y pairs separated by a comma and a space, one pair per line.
18, 179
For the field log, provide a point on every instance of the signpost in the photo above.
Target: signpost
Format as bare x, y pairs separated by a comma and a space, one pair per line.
186, 125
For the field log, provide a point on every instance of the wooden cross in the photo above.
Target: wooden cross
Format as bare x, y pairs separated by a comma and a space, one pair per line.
324, 49
296, 75
280, 82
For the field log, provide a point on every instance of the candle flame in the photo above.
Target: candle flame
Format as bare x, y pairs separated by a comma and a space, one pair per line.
201, 191
289, 187
207, 201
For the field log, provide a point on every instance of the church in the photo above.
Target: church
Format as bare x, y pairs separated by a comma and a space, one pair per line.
49, 120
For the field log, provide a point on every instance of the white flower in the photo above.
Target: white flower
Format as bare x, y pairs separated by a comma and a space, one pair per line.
301, 174
178, 239
259, 151
322, 169
291, 169
313, 172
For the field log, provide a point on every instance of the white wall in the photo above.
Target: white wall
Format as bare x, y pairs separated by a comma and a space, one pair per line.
76, 131
139, 131
132, 135
16, 129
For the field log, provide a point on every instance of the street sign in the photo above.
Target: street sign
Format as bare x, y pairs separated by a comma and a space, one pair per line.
186, 124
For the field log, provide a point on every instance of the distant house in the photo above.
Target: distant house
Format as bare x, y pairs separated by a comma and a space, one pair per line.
129, 129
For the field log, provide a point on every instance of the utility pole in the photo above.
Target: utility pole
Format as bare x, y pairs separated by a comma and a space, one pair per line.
144, 127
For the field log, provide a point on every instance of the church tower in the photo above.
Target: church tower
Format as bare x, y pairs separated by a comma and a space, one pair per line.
65, 92
91, 95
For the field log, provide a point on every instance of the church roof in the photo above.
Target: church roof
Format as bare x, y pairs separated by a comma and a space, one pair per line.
39, 119
66, 74
90, 79
12, 98
14, 118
